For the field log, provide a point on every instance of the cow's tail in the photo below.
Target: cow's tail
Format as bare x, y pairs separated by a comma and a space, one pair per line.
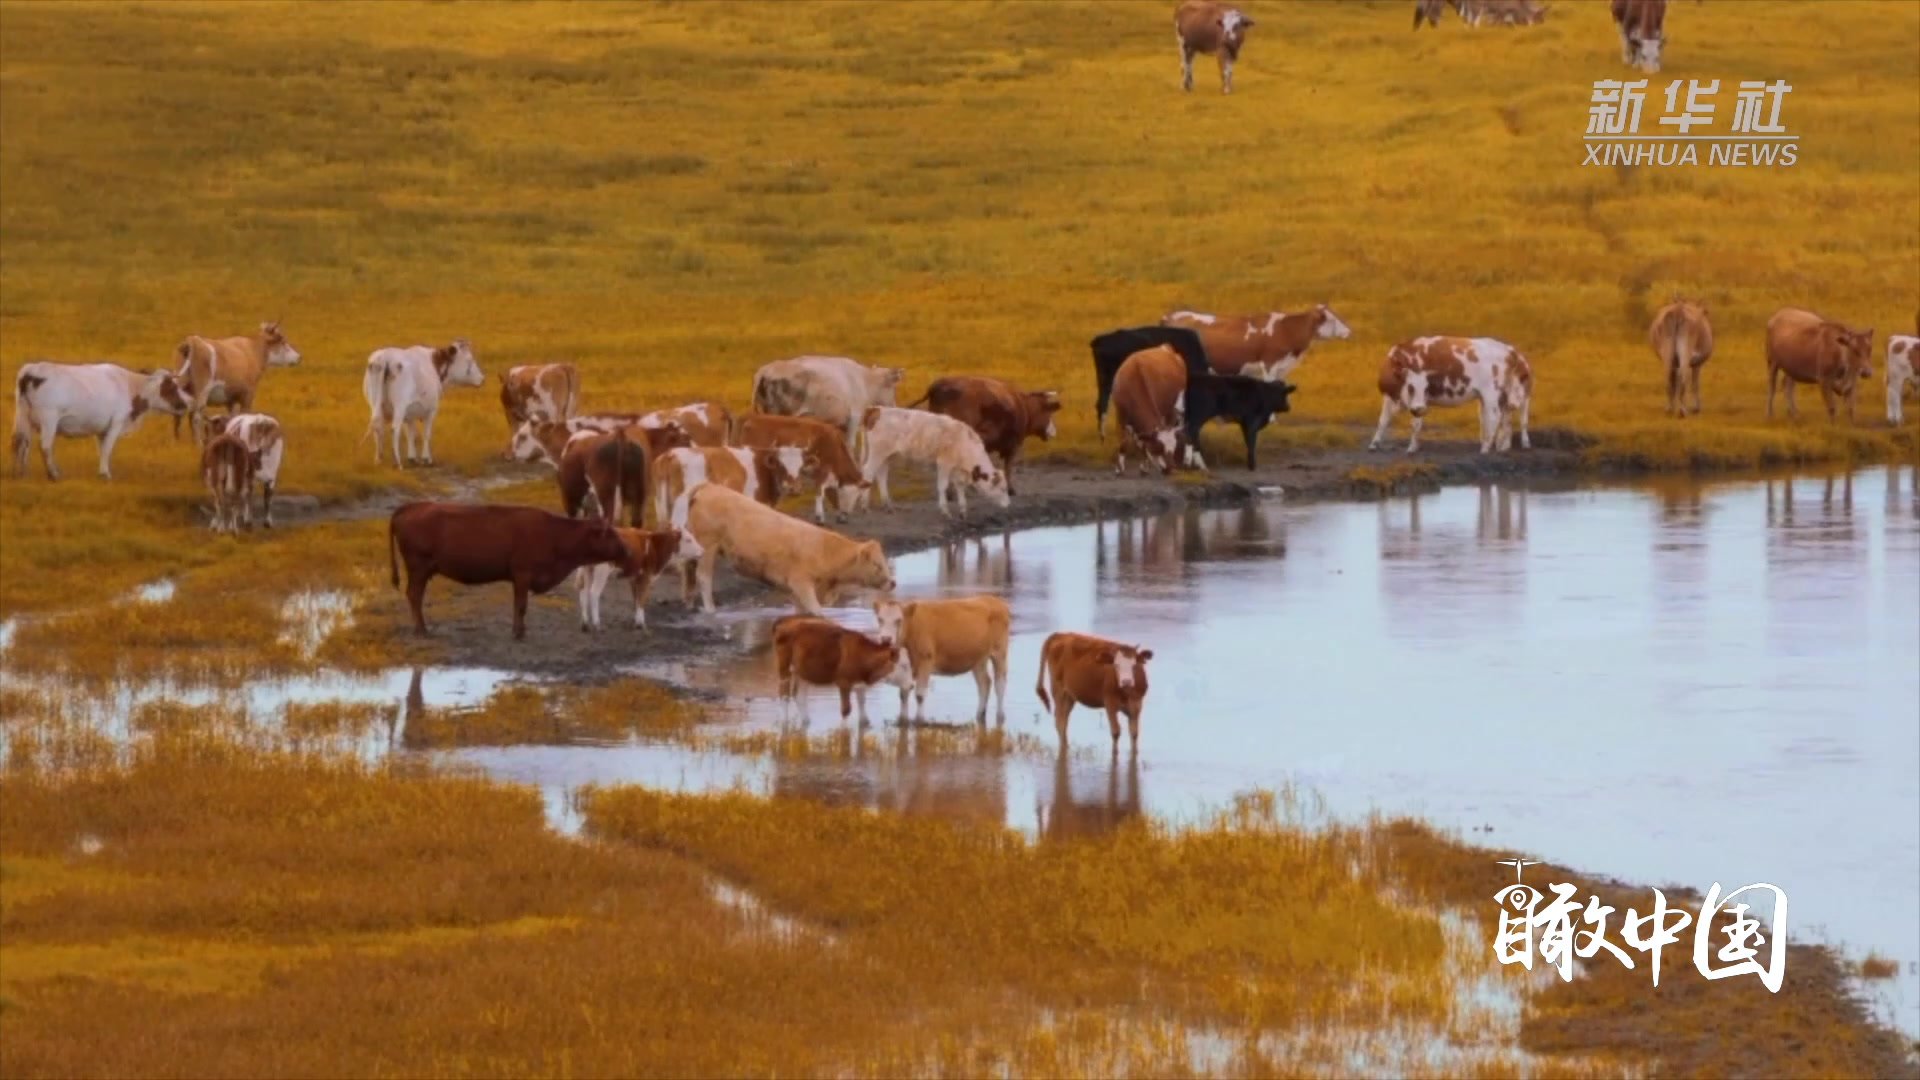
571, 407
22, 421
185, 355
921, 400
378, 396
619, 474
1040, 681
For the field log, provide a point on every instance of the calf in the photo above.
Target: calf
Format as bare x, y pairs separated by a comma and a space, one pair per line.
1803, 347
105, 401
1682, 338
479, 545
764, 544
966, 636
1149, 393
831, 388
1266, 346
1903, 350
831, 469
823, 653
1111, 349
260, 434
707, 423
958, 457
1451, 371
762, 475
1203, 26
227, 468
543, 440
227, 371
1100, 674
1250, 403
1642, 26
539, 392
650, 553
1002, 415
403, 388
613, 468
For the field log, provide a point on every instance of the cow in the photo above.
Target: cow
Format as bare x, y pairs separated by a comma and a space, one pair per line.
1085, 670
1203, 26
1503, 12
1249, 403
963, 636
1803, 347
765, 544
830, 388
105, 401
539, 392
958, 457
762, 475
823, 653
1149, 394
1431, 10
227, 467
1682, 338
613, 468
226, 371
1112, 349
1265, 346
1003, 415
261, 435
482, 544
707, 423
1903, 351
1642, 26
403, 386
650, 553
1432, 371
540, 440
831, 465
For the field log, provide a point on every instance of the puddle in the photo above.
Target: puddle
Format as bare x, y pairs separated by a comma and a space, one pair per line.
153, 592
783, 928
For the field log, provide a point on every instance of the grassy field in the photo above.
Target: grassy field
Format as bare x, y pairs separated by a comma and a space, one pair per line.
671, 194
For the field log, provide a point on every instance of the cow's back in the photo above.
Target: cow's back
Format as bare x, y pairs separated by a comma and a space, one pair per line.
1148, 388
1798, 343
956, 633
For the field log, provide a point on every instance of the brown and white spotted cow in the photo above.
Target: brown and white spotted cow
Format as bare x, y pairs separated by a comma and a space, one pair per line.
1804, 347
1642, 26
1446, 371
830, 462
260, 434
1265, 346
820, 652
105, 401
1204, 26
227, 467
227, 371
1149, 397
1682, 338
763, 475
1903, 355
1003, 415
1081, 669
650, 553
707, 423
539, 392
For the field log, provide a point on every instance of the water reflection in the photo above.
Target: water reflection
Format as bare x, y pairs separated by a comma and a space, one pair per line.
1100, 807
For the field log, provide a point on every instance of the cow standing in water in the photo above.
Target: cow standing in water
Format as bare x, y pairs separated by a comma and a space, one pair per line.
1682, 338
1081, 669
1203, 26
227, 371
1806, 348
105, 401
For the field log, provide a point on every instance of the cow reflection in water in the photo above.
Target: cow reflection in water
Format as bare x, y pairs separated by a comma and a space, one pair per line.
910, 772
1065, 816
993, 566
1173, 542
1831, 522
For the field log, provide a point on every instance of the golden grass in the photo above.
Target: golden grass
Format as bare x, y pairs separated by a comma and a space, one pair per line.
672, 194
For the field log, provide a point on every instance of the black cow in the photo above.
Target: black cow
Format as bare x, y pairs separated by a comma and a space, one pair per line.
1111, 349
1248, 402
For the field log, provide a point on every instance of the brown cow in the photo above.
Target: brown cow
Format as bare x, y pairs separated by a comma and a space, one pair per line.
548, 392
1265, 346
1203, 26
479, 545
650, 552
1149, 393
707, 423
833, 468
1642, 26
1683, 340
1097, 673
225, 371
613, 467
820, 652
228, 467
1003, 415
1806, 348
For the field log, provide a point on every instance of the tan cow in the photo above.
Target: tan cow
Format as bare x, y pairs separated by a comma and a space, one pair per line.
1903, 354
1682, 338
227, 468
764, 544
1203, 26
1265, 346
965, 636
832, 467
614, 468
1149, 396
1085, 670
707, 423
762, 475
824, 653
1453, 371
548, 392
1806, 348
226, 371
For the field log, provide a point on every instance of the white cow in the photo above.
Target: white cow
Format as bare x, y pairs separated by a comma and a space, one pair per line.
1902, 351
830, 388
104, 401
958, 457
261, 435
403, 387
1453, 371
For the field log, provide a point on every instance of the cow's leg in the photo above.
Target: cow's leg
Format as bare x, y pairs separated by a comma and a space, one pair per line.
922, 679
1000, 684
521, 587
416, 596
426, 438
1186, 64
705, 576
1113, 725
1413, 444
398, 424
983, 682
806, 598
1850, 391
1895, 408
1062, 708
1491, 417
1252, 436
846, 704
1386, 418
1007, 464
1773, 380
1675, 386
942, 477
1627, 51
1793, 408
820, 503
686, 582
22, 445
642, 585
107, 439
884, 466
583, 587
266, 504
1226, 73
48, 433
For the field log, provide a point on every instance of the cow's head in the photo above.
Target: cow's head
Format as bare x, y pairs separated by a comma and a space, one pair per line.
671, 545
1041, 405
538, 440
1234, 25
161, 391
790, 464
990, 482
890, 619
668, 436
1167, 448
1330, 325
871, 568
1130, 678
1273, 396
1860, 344
1647, 52
457, 364
1413, 392
280, 351
884, 382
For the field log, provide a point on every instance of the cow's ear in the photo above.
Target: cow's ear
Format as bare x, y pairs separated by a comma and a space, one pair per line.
1142, 655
